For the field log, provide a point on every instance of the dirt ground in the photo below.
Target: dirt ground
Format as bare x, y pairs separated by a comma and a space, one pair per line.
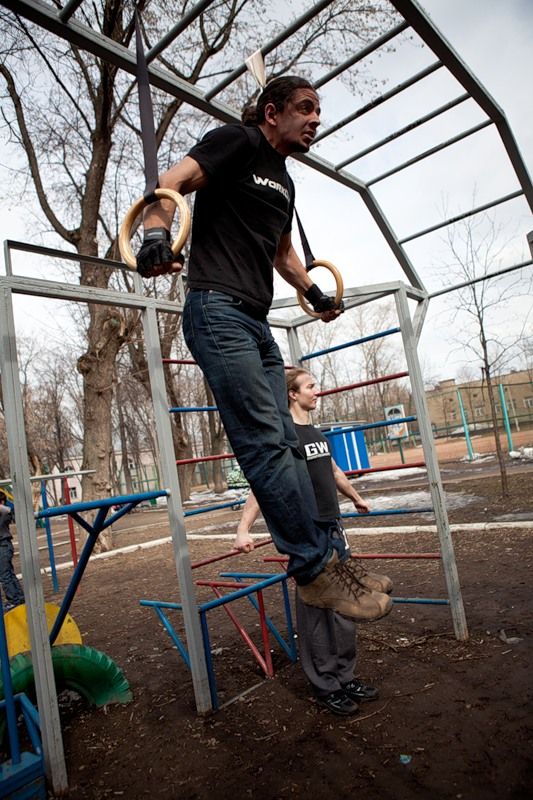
459, 713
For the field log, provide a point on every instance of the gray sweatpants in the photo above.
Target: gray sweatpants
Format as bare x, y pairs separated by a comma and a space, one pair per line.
327, 645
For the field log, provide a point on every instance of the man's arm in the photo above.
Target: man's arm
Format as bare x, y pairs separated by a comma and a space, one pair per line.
291, 268
250, 512
345, 487
184, 177
155, 256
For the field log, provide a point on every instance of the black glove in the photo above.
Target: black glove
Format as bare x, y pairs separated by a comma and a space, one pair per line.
154, 252
320, 301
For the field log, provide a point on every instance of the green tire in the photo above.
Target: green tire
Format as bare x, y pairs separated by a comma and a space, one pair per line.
87, 671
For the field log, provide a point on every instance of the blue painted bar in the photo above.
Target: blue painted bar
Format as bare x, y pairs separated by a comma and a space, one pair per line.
174, 636
213, 508
221, 601
389, 512
367, 425
209, 661
179, 409
350, 344
104, 502
49, 540
429, 601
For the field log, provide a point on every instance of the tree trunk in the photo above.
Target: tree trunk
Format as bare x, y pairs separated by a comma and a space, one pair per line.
499, 451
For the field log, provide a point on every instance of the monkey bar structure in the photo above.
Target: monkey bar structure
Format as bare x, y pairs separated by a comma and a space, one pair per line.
408, 292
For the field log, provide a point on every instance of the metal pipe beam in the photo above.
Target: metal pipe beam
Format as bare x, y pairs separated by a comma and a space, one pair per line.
366, 51
178, 28
401, 87
459, 217
402, 131
267, 48
431, 151
428, 32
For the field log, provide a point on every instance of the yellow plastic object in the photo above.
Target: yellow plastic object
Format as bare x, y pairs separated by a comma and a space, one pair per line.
18, 635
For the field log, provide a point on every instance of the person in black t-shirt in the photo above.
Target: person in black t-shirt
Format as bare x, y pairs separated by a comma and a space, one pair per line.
326, 639
241, 233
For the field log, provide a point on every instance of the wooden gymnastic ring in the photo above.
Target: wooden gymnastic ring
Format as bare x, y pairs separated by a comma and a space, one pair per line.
124, 235
338, 295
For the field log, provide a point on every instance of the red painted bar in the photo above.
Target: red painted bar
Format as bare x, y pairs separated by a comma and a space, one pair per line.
178, 361
258, 657
363, 383
385, 469
212, 559
218, 457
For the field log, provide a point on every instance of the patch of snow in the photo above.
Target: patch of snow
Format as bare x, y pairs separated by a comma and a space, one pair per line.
393, 475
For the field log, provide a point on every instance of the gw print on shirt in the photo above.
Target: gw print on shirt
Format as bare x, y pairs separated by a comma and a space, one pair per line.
316, 450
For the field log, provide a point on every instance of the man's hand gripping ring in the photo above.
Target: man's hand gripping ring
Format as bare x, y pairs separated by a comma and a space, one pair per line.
124, 235
338, 280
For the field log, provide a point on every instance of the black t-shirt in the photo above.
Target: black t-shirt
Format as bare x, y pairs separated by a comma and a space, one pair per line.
316, 451
240, 215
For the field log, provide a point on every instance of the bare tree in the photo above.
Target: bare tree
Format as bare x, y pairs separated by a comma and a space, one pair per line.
477, 246
76, 120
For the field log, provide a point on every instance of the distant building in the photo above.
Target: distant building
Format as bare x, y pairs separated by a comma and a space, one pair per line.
444, 407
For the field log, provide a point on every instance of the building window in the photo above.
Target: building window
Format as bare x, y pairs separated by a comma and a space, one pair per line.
479, 411
453, 415
528, 402
73, 492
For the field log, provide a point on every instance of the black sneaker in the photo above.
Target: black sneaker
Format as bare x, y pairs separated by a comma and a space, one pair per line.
339, 703
359, 693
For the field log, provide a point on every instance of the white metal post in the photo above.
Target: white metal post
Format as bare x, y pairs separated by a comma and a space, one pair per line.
169, 477
45, 686
432, 466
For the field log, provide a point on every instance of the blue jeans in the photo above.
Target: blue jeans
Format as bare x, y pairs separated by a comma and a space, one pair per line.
243, 366
8, 580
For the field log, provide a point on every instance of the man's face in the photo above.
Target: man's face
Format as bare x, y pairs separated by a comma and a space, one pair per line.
296, 125
306, 396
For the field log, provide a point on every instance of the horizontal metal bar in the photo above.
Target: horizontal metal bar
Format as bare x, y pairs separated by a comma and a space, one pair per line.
64, 255
68, 9
269, 46
104, 502
53, 476
431, 151
389, 512
486, 277
363, 339
360, 384
428, 601
207, 509
428, 32
379, 100
406, 129
459, 217
178, 28
366, 51
180, 409
368, 425
200, 459
384, 469
80, 293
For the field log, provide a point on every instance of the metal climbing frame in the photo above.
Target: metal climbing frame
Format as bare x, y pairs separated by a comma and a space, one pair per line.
61, 22
410, 327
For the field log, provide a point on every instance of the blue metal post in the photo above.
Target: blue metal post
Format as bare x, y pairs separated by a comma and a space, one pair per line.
49, 540
505, 417
465, 426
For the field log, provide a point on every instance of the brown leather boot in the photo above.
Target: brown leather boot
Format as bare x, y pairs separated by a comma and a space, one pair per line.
374, 581
337, 588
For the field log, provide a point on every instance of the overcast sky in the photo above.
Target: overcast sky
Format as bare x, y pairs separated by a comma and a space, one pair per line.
494, 38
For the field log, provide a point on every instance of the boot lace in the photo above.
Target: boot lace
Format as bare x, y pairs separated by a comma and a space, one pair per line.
348, 577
